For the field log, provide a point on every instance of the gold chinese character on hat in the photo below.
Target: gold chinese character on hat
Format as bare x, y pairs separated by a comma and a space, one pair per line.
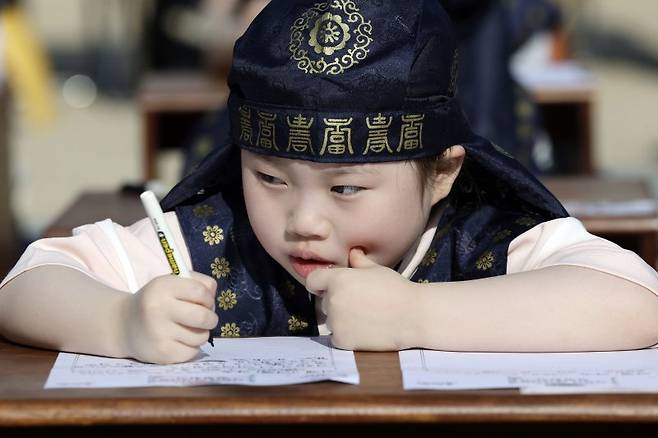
299, 134
266, 130
245, 124
378, 134
337, 137
411, 135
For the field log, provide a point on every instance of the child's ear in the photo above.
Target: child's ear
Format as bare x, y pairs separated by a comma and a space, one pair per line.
451, 163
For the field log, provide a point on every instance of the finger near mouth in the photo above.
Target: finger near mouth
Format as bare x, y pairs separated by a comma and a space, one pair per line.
304, 267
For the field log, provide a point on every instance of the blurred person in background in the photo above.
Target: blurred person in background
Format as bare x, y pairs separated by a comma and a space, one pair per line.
212, 29
490, 32
199, 35
25, 74
26, 68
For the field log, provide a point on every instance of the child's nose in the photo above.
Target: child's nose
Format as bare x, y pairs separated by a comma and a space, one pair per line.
305, 220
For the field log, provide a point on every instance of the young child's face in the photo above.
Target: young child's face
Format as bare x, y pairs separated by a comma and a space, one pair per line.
309, 215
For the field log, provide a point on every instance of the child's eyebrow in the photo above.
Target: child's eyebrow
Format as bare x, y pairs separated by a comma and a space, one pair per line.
352, 170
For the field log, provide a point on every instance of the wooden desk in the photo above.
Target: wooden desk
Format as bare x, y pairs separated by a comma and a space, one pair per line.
635, 230
171, 105
377, 405
565, 93
90, 207
567, 118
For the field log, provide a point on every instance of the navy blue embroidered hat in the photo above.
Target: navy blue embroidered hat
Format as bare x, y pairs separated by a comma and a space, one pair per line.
347, 81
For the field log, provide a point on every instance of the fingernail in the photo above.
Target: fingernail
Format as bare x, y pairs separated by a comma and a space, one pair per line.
318, 293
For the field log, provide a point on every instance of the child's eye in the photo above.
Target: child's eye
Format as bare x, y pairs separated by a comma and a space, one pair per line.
346, 190
269, 179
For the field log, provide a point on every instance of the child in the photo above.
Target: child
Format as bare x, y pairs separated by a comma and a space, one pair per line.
348, 172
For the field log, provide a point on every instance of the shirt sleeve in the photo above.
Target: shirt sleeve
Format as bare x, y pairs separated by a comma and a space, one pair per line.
124, 258
565, 241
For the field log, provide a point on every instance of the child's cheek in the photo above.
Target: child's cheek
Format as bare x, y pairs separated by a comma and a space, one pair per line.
385, 239
372, 243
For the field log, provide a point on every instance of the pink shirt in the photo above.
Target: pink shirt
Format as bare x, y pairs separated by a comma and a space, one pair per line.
126, 258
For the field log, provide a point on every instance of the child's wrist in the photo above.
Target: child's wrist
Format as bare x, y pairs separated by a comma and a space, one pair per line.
412, 329
119, 342
422, 314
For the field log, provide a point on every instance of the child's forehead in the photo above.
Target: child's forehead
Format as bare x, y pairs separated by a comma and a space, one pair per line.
321, 168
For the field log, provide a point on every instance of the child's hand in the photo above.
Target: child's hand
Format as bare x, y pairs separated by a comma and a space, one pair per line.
368, 306
169, 318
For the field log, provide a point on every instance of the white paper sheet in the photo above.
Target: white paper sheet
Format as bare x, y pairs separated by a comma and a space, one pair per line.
248, 361
560, 75
622, 371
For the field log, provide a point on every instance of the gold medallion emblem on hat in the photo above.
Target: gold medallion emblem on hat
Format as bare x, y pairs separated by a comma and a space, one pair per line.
330, 37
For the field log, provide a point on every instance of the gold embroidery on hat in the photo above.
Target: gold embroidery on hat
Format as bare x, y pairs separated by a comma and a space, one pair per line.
299, 134
266, 130
329, 34
246, 131
337, 137
411, 135
378, 134
327, 28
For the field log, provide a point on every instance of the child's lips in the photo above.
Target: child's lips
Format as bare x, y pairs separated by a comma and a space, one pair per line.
304, 267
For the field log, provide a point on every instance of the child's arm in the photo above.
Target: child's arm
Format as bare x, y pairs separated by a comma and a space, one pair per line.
61, 308
559, 308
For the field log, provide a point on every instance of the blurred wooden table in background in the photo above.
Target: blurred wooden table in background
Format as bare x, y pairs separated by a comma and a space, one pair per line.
621, 210
172, 105
90, 207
